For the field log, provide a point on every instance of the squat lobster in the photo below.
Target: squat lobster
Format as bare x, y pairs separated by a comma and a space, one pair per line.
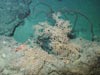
21, 47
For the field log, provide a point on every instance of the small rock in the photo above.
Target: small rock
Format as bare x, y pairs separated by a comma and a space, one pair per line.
3, 55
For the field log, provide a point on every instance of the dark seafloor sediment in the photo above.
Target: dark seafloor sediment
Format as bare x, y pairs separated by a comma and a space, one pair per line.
12, 15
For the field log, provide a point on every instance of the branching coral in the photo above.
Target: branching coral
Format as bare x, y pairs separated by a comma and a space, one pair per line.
57, 35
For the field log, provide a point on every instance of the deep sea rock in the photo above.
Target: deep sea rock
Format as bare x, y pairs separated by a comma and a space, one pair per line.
12, 14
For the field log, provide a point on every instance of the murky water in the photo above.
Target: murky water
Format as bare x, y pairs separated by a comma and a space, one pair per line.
49, 37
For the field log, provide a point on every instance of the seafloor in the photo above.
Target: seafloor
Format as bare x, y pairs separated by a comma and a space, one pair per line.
52, 52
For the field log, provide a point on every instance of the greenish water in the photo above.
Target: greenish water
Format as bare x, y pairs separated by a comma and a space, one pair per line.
90, 8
